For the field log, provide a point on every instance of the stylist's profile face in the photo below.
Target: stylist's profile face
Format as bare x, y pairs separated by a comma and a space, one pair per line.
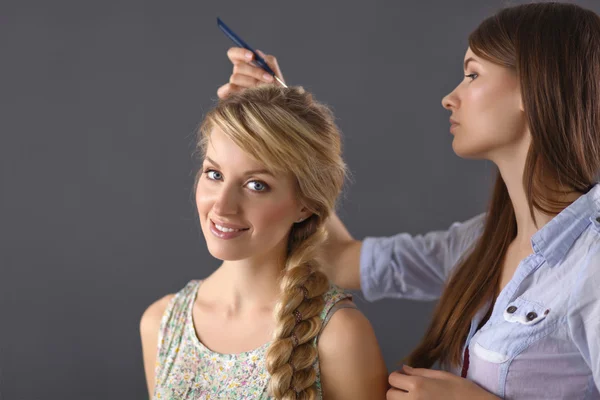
245, 210
487, 119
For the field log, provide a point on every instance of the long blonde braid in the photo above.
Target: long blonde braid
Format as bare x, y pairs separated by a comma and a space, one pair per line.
291, 356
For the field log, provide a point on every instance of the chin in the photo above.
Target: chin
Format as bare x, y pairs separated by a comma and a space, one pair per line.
227, 252
468, 150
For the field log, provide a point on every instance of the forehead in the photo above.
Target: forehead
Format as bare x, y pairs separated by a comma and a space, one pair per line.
225, 152
222, 149
491, 68
470, 53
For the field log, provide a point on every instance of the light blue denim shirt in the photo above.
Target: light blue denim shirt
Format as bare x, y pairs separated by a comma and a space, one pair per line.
542, 340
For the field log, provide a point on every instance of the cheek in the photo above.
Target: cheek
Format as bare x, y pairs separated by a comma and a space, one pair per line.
491, 121
493, 112
273, 213
204, 198
272, 216
480, 104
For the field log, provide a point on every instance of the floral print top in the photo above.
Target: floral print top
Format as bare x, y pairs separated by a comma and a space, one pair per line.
186, 369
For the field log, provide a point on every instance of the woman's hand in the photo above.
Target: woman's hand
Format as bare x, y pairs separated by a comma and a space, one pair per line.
246, 75
421, 383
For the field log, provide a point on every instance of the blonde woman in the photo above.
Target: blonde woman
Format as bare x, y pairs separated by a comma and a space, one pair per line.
267, 323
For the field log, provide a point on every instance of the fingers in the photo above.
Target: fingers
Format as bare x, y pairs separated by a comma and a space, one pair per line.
247, 70
244, 81
398, 380
238, 55
228, 89
396, 394
245, 74
424, 372
272, 61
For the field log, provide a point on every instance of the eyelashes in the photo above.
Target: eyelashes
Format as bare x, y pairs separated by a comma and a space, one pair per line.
213, 175
258, 186
254, 185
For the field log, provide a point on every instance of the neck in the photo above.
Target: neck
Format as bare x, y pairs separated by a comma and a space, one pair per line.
512, 169
251, 283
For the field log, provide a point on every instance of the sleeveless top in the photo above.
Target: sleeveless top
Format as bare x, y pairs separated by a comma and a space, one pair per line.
186, 369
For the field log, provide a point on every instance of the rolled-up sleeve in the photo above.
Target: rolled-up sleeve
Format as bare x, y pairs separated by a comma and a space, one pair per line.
414, 267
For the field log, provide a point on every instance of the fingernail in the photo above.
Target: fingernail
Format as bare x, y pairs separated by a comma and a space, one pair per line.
268, 77
248, 55
407, 367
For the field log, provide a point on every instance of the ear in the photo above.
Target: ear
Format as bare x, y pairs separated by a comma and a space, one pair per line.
521, 106
303, 214
520, 98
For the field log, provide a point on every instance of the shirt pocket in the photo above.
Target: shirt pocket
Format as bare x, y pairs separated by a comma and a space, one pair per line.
526, 313
521, 323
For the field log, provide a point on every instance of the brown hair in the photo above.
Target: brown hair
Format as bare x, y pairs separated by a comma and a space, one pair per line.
288, 131
554, 49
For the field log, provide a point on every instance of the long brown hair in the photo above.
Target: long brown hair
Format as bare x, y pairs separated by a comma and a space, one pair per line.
554, 49
290, 132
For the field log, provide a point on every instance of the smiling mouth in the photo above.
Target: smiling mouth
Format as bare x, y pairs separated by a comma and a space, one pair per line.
227, 230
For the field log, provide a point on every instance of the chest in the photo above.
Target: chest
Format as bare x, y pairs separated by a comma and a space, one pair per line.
526, 342
231, 335
512, 259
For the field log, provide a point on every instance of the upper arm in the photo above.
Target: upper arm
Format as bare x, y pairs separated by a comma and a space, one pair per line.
342, 263
149, 327
414, 266
341, 253
350, 359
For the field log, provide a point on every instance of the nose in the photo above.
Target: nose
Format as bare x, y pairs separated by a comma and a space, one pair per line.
226, 201
451, 101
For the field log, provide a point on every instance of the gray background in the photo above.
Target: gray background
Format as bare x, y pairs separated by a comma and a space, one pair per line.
99, 103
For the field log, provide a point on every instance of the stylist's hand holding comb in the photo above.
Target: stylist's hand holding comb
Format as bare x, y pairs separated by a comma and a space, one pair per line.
245, 74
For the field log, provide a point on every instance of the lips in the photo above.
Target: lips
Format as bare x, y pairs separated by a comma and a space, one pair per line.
226, 231
453, 125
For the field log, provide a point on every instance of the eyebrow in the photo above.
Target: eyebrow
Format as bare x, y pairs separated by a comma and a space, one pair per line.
468, 60
251, 172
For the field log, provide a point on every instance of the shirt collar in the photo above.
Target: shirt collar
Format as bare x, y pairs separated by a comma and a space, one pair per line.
557, 237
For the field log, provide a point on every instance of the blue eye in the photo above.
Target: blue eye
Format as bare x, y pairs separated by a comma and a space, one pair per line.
472, 76
257, 186
214, 175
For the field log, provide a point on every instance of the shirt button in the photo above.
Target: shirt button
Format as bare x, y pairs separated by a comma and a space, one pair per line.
531, 316
511, 309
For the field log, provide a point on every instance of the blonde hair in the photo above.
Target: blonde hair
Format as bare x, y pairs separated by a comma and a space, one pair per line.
289, 132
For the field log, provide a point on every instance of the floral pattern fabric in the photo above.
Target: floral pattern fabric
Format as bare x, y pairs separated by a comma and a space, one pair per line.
186, 369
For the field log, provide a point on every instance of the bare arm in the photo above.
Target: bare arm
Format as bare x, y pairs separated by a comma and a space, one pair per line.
149, 326
342, 255
350, 359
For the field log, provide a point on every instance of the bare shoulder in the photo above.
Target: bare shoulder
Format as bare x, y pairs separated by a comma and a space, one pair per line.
350, 359
346, 326
149, 327
152, 316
